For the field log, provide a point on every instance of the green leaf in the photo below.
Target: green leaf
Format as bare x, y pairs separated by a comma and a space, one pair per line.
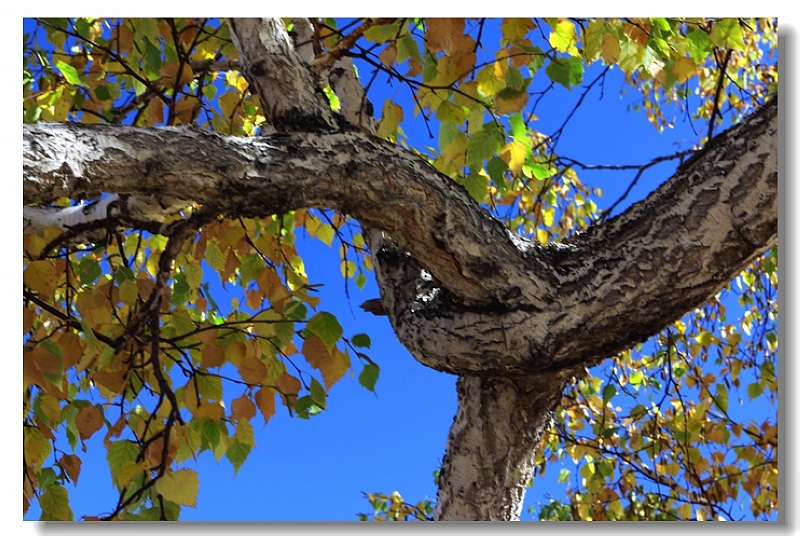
566, 71
721, 399
407, 48
55, 504
361, 281
497, 168
476, 184
563, 475
237, 453
119, 453
727, 33
361, 340
152, 60
209, 433
70, 73
754, 390
326, 327
214, 256
450, 112
102, 93
306, 407
180, 290
369, 376
481, 146
318, 393
382, 33
179, 487
699, 43
88, 270
540, 171
252, 265
609, 391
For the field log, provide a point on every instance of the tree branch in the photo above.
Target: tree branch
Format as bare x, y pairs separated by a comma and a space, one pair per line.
662, 257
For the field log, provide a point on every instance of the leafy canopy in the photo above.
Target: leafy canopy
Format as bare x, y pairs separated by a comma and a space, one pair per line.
168, 362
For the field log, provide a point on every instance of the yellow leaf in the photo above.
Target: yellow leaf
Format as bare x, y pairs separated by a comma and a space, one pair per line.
391, 118
235, 79
683, 68
515, 154
41, 277
51, 408
236, 352
35, 445
514, 29
127, 470
336, 368
179, 487
208, 410
564, 38
488, 83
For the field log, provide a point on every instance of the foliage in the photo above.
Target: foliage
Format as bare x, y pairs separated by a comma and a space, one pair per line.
125, 337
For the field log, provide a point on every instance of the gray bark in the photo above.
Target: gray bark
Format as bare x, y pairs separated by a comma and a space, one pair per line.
514, 319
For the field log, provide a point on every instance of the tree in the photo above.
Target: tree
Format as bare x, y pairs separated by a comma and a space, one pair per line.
198, 147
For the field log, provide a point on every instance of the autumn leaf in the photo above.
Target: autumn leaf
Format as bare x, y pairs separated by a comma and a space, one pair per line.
265, 400
609, 49
252, 370
683, 68
179, 486
243, 408
89, 420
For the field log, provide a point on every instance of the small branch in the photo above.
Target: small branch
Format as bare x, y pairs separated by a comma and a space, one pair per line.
720, 82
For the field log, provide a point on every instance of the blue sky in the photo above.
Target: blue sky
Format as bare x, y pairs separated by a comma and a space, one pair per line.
394, 439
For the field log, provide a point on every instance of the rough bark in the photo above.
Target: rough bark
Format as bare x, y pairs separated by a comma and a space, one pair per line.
491, 445
516, 320
503, 304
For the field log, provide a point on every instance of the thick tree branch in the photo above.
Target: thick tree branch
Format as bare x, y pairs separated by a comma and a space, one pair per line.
621, 281
277, 73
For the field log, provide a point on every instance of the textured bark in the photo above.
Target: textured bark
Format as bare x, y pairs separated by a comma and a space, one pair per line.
279, 75
535, 308
491, 445
516, 320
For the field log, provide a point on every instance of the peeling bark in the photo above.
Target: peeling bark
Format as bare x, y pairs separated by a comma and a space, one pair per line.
466, 296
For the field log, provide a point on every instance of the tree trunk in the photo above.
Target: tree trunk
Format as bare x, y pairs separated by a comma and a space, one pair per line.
492, 442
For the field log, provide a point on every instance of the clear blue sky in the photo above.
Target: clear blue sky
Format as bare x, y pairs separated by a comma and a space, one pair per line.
393, 440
